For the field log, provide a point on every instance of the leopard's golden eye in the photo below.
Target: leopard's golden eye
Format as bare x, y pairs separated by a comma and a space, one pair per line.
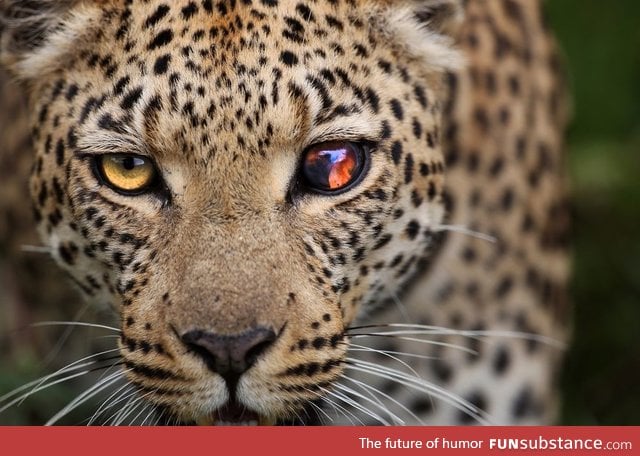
129, 174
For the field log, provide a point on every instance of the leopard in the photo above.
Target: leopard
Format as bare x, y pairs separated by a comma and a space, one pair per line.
305, 212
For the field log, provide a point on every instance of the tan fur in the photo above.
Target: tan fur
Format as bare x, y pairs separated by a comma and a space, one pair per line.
234, 241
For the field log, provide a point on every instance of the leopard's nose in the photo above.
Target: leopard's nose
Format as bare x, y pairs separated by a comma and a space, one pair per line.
229, 355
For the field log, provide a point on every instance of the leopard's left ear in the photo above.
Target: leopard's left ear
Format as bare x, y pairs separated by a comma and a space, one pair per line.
37, 35
425, 29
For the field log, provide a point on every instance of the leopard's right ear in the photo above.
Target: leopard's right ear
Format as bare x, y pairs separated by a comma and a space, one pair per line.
37, 35
424, 29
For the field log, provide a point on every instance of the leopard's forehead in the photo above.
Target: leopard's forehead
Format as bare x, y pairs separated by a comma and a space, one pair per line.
204, 80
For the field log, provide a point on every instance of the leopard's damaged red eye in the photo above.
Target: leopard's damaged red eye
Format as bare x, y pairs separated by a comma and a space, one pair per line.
333, 166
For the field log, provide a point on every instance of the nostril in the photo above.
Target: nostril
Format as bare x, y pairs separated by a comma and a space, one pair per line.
193, 341
259, 348
229, 355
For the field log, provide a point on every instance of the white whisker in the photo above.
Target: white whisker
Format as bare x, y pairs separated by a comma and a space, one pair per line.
320, 411
398, 336
417, 330
158, 418
132, 402
154, 410
386, 353
338, 408
318, 395
298, 417
347, 400
48, 385
365, 349
37, 382
386, 396
134, 406
115, 397
86, 395
143, 410
418, 384
466, 231
73, 323
36, 249
400, 306
127, 396
86, 358
55, 350
375, 402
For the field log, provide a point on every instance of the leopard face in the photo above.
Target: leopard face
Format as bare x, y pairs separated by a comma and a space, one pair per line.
340, 211
239, 181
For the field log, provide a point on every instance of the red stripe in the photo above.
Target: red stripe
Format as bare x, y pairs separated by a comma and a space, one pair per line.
98, 441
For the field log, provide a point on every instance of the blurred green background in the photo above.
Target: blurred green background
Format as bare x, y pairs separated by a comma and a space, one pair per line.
601, 379
601, 41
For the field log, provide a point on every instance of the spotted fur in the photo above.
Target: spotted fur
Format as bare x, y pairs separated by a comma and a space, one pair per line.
463, 106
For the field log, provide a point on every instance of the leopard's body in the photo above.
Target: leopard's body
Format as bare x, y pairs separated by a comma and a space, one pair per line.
458, 221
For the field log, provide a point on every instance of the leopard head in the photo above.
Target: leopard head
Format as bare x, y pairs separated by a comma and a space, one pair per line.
239, 180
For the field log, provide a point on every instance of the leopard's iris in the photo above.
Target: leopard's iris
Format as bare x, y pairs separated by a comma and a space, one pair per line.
333, 166
127, 173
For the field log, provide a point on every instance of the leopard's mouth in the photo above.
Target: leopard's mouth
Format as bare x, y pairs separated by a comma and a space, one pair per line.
234, 414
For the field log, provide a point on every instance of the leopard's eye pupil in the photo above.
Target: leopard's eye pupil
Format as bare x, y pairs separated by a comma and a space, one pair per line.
129, 163
333, 166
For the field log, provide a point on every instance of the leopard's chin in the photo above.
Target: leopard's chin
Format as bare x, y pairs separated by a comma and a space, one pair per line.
235, 415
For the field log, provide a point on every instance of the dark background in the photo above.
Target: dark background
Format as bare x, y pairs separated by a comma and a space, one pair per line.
601, 379
601, 41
